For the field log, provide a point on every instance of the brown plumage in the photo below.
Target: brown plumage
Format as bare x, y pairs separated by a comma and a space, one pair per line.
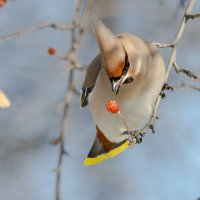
128, 70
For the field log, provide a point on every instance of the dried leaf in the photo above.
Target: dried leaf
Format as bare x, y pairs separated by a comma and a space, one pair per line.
4, 100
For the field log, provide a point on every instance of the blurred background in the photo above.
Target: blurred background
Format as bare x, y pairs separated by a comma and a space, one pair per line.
164, 166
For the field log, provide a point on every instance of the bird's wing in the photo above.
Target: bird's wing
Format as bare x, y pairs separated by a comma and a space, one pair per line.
90, 79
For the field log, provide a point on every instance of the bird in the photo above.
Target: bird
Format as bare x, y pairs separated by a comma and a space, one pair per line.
130, 71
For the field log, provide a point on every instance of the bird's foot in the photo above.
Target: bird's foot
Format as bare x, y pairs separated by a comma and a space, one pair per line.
162, 94
134, 136
167, 86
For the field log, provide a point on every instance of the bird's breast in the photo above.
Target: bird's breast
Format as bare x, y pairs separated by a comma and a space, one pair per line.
133, 108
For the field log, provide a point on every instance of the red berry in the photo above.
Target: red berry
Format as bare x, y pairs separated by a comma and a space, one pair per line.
112, 106
51, 51
2, 3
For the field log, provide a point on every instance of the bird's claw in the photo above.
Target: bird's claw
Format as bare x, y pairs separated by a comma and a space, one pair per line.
167, 86
134, 136
162, 94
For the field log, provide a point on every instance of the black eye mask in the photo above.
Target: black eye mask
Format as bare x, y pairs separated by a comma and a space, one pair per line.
117, 81
126, 66
124, 71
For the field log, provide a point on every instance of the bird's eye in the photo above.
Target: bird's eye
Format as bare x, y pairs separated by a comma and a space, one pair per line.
128, 80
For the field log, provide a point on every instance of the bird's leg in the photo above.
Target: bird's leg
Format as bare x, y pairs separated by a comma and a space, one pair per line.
134, 136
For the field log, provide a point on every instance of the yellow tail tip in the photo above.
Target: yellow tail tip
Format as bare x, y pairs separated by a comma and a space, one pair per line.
100, 158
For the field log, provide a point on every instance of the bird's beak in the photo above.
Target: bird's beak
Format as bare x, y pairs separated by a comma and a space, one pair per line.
116, 83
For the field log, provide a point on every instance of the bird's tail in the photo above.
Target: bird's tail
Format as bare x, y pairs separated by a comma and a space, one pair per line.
103, 149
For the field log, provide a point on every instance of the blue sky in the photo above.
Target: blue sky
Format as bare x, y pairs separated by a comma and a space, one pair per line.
164, 166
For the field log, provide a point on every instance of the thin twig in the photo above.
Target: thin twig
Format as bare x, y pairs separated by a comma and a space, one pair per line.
71, 57
35, 28
172, 60
178, 69
67, 102
187, 85
193, 16
173, 45
162, 45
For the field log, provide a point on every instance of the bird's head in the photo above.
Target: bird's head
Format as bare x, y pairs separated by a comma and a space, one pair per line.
115, 58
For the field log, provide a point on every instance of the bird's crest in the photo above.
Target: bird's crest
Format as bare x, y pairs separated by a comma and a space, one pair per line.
111, 48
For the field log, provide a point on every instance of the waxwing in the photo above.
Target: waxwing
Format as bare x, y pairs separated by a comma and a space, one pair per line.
131, 72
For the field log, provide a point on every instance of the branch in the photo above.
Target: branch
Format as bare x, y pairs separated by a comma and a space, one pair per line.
77, 31
174, 44
186, 85
68, 97
192, 16
178, 69
35, 28
162, 45
77, 27
67, 102
171, 63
